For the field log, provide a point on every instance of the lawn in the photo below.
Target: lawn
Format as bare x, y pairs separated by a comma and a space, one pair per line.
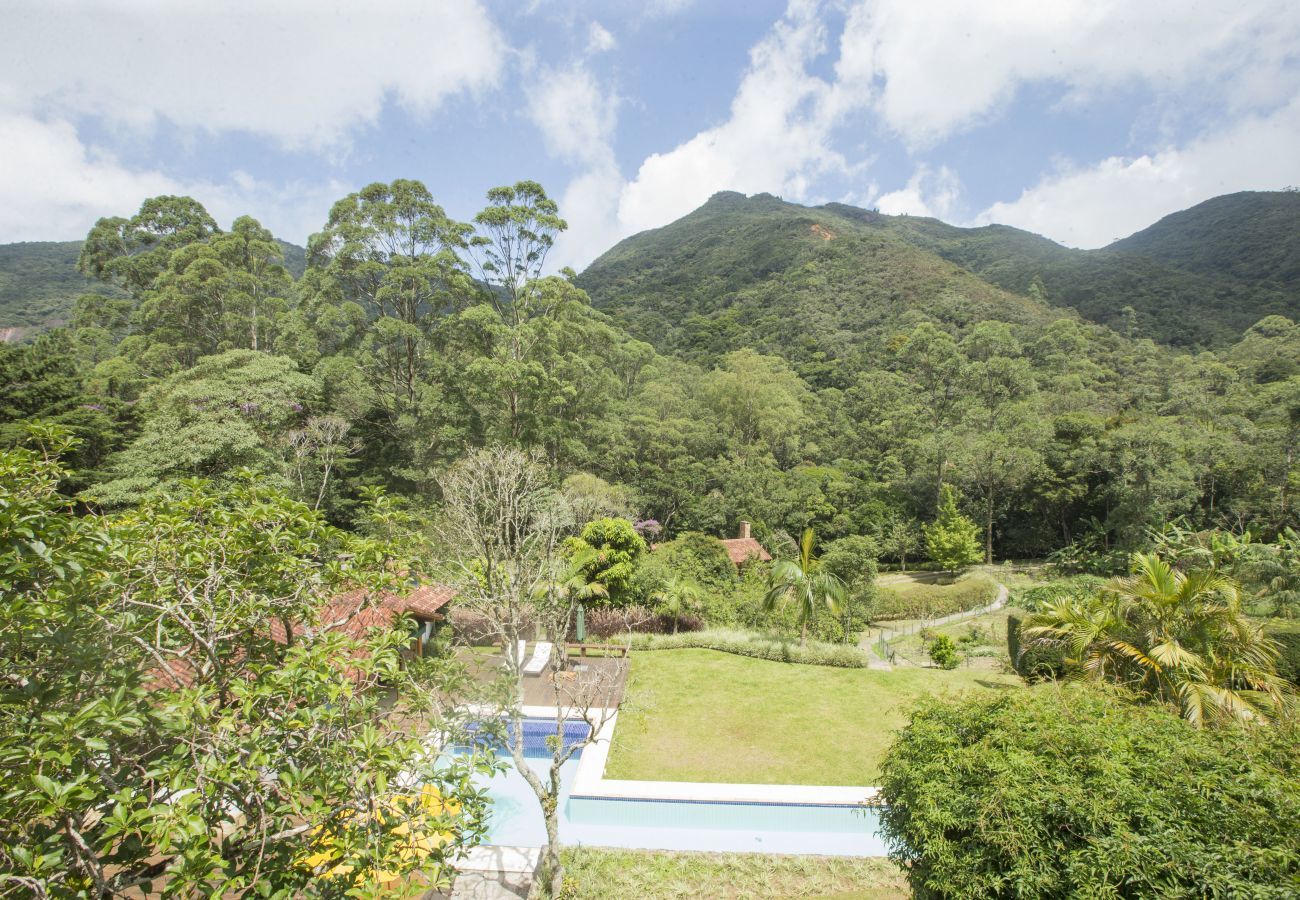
700, 715
653, 875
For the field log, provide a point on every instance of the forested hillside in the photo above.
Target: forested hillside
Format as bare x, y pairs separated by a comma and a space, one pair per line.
1199, 278
756, 360
39, 281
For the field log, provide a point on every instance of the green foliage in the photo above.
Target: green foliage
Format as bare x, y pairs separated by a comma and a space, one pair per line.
756, 645
1039, 596
230, 412
1176, 637
1072, 791
926, 601
147, 699
612, 549
951, 540
1032, 659
943, 652
1287, 637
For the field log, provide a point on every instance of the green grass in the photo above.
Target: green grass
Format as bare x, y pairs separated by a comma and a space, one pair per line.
700, 715
992, 624
656, 875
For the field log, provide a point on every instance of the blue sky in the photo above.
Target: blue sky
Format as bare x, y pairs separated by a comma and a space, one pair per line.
1083, 120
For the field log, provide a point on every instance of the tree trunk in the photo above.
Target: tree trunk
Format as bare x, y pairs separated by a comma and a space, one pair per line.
803, 634
988, 527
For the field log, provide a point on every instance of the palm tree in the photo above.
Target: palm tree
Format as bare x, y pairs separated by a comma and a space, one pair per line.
572, 586
678, 597
1177, 637
802, 582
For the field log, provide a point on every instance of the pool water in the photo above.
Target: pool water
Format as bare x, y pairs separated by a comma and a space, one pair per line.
516, 818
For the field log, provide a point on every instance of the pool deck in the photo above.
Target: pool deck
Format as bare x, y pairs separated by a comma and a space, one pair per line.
587, 681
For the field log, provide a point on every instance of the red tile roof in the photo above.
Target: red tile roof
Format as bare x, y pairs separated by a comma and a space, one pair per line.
348, 613
741, 550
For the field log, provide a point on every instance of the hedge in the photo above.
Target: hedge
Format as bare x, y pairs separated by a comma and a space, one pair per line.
1036, 660
742, 643
933, 600
1288, 637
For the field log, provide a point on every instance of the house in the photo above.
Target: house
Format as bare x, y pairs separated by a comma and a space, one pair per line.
352, 613
744, 547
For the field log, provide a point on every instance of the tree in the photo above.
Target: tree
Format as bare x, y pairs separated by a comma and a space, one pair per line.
900, 538
147, 697
943, 652
517, 230
1176, 637
231, 411
611, 548
387, 268
132, 253
802, 582
677, 597
504, 522
852, 559
1072, 790
951, 540
225, 293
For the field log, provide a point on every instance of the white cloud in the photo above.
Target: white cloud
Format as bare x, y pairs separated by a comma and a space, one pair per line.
777, 137
933, 67
1092, 206
599, 40
929, 192
298, 71
54, 188
575, 116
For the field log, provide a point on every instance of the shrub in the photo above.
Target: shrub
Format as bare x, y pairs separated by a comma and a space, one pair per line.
927, 600
1287, 636
1077, 587
745, 643
943, 652
604, 623
1034, 660
1072, 790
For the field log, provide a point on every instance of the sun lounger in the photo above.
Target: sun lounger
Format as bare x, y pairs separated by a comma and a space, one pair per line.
541, 656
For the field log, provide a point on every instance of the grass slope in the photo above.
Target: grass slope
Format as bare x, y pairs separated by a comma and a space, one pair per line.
699, 715
594, 874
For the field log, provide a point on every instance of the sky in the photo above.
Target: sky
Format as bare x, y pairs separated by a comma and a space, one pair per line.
1083, 120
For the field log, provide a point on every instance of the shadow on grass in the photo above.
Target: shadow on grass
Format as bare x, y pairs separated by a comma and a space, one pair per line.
999, 685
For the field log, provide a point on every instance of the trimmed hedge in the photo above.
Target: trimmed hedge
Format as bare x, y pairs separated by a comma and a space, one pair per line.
1288, 662
743, 643
1032, 662
933, 600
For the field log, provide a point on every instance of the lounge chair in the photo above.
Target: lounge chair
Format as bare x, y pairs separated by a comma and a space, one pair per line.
541, 656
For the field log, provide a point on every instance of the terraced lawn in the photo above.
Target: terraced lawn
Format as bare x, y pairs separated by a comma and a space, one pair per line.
701, 715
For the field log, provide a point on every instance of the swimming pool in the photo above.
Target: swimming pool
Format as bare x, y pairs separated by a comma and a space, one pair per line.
516, 819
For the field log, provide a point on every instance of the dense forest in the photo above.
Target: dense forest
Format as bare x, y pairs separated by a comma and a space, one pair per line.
753, 361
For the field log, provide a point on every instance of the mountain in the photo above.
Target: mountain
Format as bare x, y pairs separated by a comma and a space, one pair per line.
1198, 278
39, 282
1252, 238
811, 284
